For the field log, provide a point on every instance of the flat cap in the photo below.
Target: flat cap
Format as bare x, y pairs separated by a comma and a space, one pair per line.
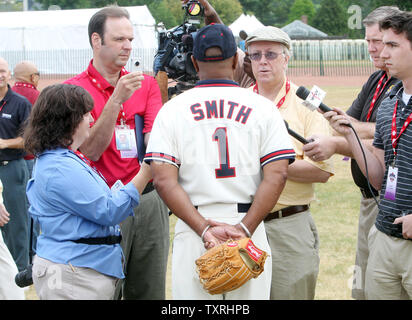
268, 33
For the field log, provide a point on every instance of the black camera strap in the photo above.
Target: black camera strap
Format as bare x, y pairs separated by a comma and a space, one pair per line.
31, 251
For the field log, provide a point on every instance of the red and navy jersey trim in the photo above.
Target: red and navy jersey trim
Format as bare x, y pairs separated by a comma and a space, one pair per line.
278, 155
160, 156
216, 83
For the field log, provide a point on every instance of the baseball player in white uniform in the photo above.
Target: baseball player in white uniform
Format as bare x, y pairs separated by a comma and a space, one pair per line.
219, 155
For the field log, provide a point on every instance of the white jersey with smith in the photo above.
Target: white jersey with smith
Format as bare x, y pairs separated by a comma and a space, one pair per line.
219, 136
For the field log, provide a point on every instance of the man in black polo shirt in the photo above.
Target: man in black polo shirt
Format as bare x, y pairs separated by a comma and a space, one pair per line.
389, 270
14, 110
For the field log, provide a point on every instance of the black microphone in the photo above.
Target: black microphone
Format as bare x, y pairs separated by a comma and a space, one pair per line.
296, 135
303, 93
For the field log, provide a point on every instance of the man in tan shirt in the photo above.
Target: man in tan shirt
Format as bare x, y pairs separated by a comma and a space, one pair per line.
290, 228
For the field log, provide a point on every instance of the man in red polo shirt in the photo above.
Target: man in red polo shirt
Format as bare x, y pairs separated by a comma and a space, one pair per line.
27, 78
118, 96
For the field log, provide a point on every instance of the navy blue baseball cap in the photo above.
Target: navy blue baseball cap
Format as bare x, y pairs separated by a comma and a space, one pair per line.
214, 35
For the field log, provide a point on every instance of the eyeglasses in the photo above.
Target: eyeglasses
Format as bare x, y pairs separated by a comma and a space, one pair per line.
270, 55
36, 73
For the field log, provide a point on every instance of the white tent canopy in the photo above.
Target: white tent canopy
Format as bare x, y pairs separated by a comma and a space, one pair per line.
246, 23
28, 32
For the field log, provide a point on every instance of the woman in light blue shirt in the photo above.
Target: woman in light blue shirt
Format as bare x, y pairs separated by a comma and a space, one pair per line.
78, 253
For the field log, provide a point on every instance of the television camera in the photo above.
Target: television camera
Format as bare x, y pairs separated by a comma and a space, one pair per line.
176, 47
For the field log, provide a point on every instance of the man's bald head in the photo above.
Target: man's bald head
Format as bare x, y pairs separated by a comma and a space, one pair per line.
4, 63
26, 71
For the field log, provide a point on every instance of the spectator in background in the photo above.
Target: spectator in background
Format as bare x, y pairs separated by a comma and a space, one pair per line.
8, 269
363, 114
26, 76
14, 110
118, 96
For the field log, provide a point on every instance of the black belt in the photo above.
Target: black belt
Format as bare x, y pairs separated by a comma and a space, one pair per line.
367, 194
4, 163
241, 207
110, 240
286, 212
149, 188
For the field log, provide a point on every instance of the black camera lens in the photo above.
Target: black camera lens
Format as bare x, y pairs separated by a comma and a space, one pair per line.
194, 8
24, 278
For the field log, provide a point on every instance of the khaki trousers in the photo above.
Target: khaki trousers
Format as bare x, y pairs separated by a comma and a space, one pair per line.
294, 242
54, 281
389, 270
367, 217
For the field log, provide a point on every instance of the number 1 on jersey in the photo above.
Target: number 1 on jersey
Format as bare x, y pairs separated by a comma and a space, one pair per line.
225, 170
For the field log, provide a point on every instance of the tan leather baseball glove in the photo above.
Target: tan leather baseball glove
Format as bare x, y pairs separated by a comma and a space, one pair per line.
228, 266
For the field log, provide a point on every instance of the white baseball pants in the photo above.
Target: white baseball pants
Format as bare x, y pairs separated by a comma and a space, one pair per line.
187, 247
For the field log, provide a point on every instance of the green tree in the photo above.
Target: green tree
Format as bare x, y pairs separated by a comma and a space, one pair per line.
228, 10
250, 6
167, 11
300, 8
269, 12
171, 14
6, 6
331, 18
401, 4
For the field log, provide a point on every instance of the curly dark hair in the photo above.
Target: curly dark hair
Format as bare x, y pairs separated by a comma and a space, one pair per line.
55, 117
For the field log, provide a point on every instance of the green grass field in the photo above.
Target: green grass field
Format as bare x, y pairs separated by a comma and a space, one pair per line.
336, 215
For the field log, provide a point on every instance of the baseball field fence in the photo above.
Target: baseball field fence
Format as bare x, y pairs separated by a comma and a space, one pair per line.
336, 58
331, 58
